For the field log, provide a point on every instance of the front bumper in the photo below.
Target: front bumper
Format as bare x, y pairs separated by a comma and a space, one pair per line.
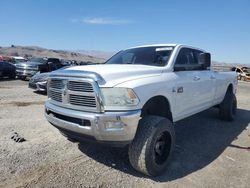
38, 86
25, 72
108, 126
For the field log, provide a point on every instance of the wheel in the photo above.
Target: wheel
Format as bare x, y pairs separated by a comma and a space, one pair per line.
22, 77
152, 146
228, 107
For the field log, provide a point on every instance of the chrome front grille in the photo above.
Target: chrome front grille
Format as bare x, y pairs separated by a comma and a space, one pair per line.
56, 96
78, 100
26, 67
80, 86
56, 84
74, 93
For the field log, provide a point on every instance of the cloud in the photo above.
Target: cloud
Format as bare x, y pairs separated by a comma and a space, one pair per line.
106, 21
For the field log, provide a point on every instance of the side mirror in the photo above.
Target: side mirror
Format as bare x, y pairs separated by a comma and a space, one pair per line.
205, 60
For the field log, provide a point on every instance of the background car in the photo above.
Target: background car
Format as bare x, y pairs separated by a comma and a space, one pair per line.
7, 70
18, 59
37, 64
243, 73
38, 82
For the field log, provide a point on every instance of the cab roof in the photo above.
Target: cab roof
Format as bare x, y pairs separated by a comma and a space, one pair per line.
152, 45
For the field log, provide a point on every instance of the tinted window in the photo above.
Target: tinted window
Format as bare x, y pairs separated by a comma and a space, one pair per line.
38, 60
156, 56
54, 60
196, 55
185, 57
188, 59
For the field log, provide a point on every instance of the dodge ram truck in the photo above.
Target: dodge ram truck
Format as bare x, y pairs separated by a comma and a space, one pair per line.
135, 98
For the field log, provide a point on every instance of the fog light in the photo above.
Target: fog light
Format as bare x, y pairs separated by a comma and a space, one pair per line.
114, 125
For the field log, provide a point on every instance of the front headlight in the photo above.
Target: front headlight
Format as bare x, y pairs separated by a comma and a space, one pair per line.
119, 97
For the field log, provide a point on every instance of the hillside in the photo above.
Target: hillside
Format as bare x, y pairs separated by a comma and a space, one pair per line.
30, 51
83, 55
95, 53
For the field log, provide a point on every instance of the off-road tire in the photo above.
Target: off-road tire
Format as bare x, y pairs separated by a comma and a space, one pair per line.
228, 107
142, 149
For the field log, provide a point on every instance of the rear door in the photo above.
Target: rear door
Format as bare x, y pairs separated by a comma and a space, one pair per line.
206, 81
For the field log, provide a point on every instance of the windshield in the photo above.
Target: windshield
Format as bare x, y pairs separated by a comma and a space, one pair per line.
154, 56
20, 60
38, 60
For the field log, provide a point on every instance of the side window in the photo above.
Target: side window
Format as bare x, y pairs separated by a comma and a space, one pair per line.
185, 57
187, 60
52, 66
196, 55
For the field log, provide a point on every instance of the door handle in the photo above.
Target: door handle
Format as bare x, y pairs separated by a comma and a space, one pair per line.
196, 78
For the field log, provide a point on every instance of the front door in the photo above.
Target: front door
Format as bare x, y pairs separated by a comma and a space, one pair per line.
193, 88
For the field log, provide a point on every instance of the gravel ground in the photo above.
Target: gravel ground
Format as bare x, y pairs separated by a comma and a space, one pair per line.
209, 152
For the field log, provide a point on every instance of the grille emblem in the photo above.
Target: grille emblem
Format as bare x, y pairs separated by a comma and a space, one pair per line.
64, 92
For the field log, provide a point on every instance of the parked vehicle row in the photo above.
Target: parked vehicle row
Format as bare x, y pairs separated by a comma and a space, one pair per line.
30, 68
12, 59
37, 69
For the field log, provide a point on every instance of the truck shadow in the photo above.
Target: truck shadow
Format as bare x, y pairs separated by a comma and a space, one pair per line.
7, 79
200, 139
44, 93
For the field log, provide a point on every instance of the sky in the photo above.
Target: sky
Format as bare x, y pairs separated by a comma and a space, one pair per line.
221, 27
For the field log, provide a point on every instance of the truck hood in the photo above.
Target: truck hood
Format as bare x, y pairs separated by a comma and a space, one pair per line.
111, 75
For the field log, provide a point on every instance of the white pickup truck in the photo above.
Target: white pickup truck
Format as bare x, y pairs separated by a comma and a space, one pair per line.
136, 97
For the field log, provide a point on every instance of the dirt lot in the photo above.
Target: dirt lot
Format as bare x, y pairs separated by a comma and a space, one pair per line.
209, 152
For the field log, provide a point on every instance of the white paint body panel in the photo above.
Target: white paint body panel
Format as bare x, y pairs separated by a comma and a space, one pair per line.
150, 81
